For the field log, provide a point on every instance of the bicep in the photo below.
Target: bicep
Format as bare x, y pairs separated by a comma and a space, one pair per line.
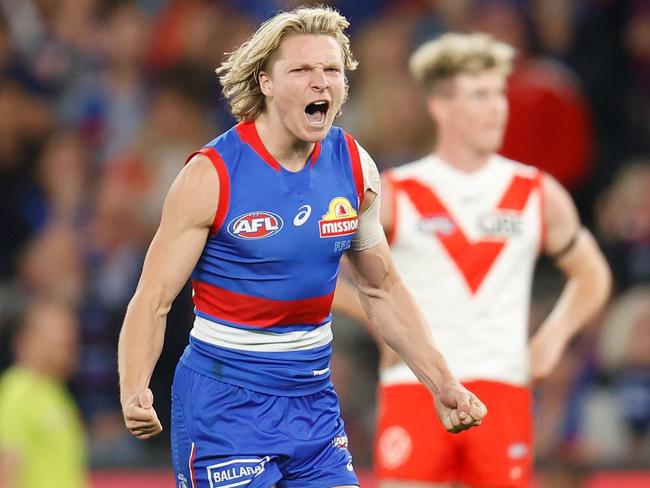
570, 245
186, 220
561, 220
372, 268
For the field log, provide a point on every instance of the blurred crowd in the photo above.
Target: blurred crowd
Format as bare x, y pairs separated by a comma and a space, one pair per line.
102, 100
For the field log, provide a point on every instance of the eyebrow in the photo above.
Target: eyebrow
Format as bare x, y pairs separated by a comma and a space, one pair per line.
304, 64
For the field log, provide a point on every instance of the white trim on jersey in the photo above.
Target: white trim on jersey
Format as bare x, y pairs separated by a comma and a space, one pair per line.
260, 340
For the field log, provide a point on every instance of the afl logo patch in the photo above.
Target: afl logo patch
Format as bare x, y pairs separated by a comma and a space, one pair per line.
340, 220
255, 225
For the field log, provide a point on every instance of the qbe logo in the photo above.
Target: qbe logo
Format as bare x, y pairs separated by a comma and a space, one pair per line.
436, 224
255, 225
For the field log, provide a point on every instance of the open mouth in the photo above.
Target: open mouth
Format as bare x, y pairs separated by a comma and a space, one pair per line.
317, 111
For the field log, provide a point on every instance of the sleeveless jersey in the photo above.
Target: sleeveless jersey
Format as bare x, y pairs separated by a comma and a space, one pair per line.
264, 283
466, 245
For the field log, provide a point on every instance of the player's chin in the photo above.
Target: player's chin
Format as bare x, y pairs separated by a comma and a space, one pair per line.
316, 133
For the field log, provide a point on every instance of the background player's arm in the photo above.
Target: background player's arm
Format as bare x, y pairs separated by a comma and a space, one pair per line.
187, 215
577, 255
392, 309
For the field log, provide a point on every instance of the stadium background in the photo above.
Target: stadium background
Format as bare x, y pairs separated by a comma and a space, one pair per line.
100, 102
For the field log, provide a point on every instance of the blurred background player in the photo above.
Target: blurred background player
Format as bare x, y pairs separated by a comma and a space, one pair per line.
42, 439
260, 218
466, 227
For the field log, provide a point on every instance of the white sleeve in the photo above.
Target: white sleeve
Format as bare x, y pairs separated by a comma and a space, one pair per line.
370, 232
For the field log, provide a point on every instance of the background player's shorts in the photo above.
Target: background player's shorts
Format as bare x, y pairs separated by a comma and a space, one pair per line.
226, 436
412, 444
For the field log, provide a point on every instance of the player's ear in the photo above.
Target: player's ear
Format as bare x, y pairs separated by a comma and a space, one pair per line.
266, 84
436, 107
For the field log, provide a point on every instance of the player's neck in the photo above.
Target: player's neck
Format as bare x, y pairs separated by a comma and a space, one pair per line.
291, 152
462, 157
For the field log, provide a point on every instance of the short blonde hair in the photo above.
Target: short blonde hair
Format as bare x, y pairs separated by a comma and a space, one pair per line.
452, 54
239, 74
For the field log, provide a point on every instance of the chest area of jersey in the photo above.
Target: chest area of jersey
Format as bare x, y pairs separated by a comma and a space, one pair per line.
510, 213
318, 222
472, 230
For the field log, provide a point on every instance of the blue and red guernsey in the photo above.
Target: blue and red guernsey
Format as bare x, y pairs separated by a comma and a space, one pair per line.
264, 284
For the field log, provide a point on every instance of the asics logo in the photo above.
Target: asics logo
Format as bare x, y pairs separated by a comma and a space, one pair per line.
303, 214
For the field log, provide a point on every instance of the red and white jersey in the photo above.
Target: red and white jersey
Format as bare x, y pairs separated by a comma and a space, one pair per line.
466, 246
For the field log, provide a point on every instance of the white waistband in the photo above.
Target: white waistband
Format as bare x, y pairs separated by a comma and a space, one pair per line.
260, 340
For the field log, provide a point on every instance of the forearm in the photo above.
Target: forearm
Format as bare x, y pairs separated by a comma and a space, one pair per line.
140, 344
586, 291
393, 310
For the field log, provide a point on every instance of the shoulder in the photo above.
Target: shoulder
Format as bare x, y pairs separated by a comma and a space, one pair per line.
517, 167
194, 195
199, 172
412, 169
556, 197
227, 144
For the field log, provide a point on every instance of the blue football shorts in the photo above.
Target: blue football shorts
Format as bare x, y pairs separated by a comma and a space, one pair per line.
224, 436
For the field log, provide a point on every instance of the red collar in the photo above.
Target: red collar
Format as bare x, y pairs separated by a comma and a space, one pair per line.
248, 133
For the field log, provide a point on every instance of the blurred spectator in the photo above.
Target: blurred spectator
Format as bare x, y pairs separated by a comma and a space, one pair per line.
200, 32
624, 350
52, 265
636, 42
623, 216
177, 125
549, 125
107, 99
385, 111
49, 36
64, 180
610, 55
24, 121
41, 434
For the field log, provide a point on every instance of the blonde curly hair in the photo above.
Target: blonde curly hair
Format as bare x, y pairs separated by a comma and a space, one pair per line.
239, 74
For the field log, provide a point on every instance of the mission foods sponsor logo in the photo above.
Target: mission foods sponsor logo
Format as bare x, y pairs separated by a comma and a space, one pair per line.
255, 225
340, 220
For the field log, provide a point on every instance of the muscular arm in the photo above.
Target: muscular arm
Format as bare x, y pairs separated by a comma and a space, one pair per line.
346, 299
399, 322
588, 284
187, 215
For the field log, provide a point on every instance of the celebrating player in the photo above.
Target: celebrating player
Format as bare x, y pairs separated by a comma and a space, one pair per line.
260, 218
